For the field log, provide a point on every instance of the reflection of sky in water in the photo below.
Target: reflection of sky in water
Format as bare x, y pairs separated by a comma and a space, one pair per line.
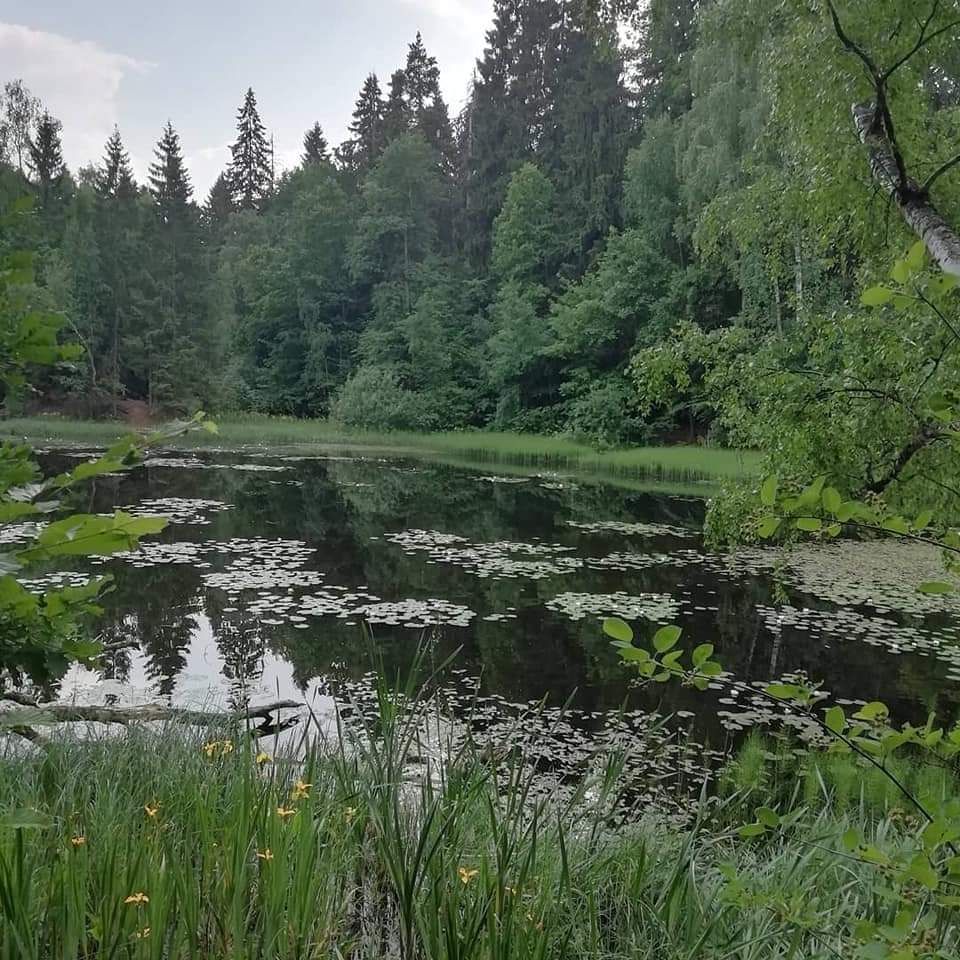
256, 593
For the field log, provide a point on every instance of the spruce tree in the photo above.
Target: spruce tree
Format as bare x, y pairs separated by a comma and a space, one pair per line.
361, 152
250, 167
426, 109
169, 180
46, 156
219, 203
421, 78
115, 178
396, 113
170, 335
315, 148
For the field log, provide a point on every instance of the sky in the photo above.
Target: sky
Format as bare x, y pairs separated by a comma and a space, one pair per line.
137, 65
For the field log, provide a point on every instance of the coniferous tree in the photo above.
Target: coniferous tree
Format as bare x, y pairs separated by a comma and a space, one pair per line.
425, 107
361, 152
421, 78
251, 175
115, 178
396, 112
315, 148
118, 240
219, 203
46, 157
170, 340
168, 179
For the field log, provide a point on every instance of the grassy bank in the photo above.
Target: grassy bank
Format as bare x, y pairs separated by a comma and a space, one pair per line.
175, 846
682, 463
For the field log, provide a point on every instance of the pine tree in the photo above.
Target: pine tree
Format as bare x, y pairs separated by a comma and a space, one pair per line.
169, 180
250, 167
46, 156
315, 148
115, 178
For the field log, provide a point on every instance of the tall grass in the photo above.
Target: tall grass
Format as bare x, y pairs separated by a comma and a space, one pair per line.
686, 463
169, 845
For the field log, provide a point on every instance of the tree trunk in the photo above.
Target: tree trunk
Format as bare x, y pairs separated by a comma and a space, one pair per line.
915, 207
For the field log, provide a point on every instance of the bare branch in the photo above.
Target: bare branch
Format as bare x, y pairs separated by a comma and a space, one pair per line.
939, 172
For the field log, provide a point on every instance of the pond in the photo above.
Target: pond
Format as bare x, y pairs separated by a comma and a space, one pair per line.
292, 575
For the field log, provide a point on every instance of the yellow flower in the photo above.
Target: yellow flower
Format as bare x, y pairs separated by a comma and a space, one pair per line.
214, 746
265, 854
137, 898
78, 841
349, 813
301, 790
262, 758
152, 809
466, 875
210, 748
142, 934
226, 746
284, 812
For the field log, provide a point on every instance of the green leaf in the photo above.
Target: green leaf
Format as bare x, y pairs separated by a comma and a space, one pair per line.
634, 654
768, 491
876, 296
808, 524
769, 818
831, 499
752, 830
666, 638
896, 525
901, 271
768, 526
874, 710
836, 719
783, 691
936, 587
850, 840
917, 256
923, 520
921, 871
701, 654
618, 629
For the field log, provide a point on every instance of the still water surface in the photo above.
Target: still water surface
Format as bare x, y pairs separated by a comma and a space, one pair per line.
273, 566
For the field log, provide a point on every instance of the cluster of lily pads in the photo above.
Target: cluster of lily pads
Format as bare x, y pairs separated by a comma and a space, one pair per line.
633, 529
657, 607
502, 559
194, 511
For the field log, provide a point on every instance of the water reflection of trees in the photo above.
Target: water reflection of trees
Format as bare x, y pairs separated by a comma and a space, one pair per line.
344, 508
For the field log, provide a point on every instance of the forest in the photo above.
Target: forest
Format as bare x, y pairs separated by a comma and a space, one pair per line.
636, 201
543, 540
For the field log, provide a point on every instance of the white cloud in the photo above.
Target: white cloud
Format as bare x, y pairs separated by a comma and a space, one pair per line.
78, 81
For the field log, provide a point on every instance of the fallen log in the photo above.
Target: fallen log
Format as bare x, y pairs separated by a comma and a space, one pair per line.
147, 713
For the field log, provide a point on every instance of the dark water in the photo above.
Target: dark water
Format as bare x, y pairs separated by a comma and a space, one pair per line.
270, 594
